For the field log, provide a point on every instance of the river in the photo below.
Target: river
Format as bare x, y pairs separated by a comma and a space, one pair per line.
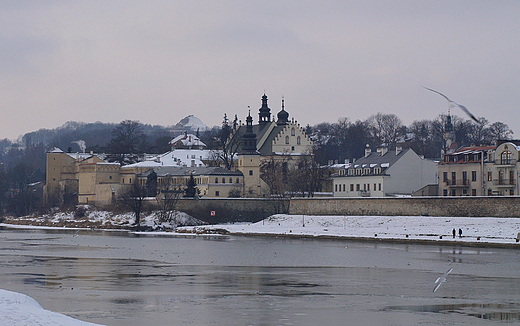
118, 278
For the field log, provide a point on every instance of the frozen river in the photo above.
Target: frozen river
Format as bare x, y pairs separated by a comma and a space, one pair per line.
116, 278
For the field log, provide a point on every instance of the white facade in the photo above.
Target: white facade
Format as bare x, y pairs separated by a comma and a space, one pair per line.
385, 173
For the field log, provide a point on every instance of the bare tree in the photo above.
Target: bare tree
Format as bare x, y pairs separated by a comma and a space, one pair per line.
275, 173
167, 201
127, 139
133, 197
500, 130
385, 128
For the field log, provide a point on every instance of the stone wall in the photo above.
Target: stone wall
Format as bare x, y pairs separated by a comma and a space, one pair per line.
426, 206
228, 210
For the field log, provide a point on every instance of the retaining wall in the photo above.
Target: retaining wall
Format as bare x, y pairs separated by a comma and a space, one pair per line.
416, 206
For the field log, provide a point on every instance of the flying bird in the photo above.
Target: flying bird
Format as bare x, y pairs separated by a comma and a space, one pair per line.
453, 104
441, 279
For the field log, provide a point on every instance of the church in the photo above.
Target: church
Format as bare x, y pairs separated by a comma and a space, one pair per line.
281, 139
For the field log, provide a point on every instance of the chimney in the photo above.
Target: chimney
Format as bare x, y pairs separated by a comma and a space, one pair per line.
368, 151
382, 151
347, 161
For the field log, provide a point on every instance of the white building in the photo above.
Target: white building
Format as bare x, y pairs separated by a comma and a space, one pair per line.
385, 173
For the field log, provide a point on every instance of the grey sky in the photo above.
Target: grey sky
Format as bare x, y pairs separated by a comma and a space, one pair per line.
158, 61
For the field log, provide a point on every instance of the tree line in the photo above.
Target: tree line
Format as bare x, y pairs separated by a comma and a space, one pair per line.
346, 139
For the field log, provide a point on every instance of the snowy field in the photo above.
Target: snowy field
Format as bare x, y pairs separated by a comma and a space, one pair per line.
475, 230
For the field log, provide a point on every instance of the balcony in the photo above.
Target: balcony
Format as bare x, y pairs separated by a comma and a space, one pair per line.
459, 183
504, 183
505, 163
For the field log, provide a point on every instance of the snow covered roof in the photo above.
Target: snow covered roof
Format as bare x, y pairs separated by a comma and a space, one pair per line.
178, 157
187, 140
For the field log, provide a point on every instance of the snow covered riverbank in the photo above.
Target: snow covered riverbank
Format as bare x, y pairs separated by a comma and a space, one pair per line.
17, 309
475, 230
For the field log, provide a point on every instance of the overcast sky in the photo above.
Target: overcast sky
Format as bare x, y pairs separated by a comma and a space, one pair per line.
159, 61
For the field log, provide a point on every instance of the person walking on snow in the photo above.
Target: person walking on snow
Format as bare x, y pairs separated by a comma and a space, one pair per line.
453, 232
460, 233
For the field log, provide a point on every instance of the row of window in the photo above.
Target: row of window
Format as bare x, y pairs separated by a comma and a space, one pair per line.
463, 181
298, 140
464, 192
362, 171
366, 187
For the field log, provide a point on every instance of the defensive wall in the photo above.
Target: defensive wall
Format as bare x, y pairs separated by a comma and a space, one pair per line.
222, 210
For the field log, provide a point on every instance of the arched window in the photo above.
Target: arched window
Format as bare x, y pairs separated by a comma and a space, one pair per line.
230, 180
223, 180
287, 139
505, 157
216, 180
298, 140
293, 132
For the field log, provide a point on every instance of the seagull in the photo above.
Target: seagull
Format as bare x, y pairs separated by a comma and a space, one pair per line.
441, 279
453, 104
75, 234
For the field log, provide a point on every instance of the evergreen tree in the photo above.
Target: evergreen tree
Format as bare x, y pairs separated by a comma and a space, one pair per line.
191, 188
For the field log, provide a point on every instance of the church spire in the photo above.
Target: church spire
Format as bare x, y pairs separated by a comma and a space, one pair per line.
249, 137
283, 116
264, 115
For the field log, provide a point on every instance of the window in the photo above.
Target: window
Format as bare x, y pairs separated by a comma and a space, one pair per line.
358, 171
454, 192
490, 176
464, 177
490, 192
366, 171
511, 192
445, 176
293, 132
286, 139
238, 180
110, 177
351, 187
464, 192
374, 187
368, 187
505, 158
379, 187
298, 140
216, 180
500, 177
473, 175
357, 187
343, 187
250, 172
336, 188
445, 192
350, 171
223, 180
217, 193
511, 177
230, 180
473, 192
